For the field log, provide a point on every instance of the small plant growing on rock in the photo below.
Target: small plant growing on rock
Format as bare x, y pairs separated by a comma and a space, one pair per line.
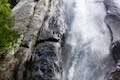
8, 36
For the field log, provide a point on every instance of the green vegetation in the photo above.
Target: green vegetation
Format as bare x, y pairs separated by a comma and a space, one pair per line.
8, 37
12, 3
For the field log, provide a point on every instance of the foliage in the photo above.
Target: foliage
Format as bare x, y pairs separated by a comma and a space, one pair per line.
12, 3
7, 36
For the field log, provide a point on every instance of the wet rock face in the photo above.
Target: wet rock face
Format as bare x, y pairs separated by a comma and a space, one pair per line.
115, 72
42, 24
116, 51
113, 6
45, 63
113, 17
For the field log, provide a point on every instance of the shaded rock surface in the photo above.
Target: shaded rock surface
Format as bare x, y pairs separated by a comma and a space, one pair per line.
13, 3
41, 25
112, 19
45, 63
115, 72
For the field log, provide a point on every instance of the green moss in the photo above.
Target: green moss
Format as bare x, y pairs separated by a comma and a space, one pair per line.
8, 37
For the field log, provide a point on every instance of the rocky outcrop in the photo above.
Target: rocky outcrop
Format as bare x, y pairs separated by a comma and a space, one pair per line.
115, 50
115, 72
112, 19
46, 52
45, 63
41, 24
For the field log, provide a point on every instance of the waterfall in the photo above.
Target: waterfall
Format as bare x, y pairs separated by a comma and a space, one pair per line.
88, 41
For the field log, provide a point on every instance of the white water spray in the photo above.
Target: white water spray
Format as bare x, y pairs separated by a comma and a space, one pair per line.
89, 39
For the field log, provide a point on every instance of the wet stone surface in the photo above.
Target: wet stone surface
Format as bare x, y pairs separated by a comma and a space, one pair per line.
44, 63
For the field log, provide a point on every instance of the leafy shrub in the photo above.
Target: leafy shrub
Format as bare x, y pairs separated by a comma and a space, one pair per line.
7, 36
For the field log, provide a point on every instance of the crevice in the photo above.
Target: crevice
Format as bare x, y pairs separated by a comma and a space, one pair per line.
47, 40
45, 18
111, 33
36, 0
109, 28
24, 45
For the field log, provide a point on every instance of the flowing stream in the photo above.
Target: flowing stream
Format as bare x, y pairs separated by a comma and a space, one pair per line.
88, 41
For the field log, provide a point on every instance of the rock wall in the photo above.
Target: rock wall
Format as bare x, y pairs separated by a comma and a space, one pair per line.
112, 19
41, 24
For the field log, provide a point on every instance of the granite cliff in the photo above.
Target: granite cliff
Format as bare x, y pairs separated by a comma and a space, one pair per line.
43, 24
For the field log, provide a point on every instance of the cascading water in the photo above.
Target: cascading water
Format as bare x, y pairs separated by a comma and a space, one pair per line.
88, 57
